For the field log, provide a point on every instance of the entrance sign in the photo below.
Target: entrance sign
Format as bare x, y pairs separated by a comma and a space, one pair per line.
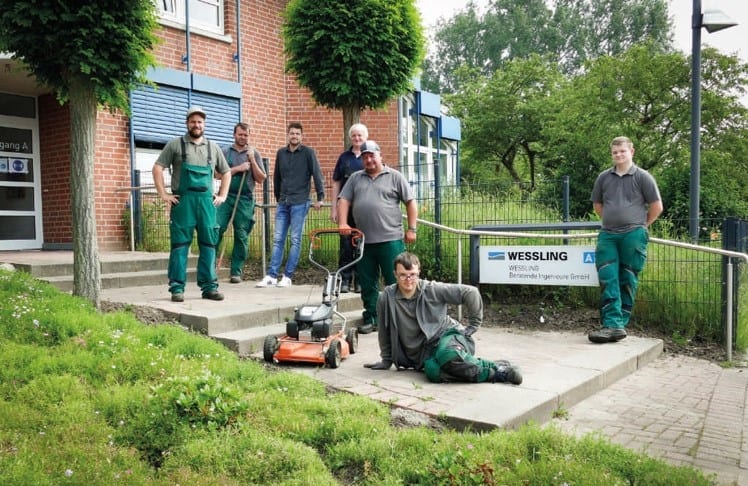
538, 265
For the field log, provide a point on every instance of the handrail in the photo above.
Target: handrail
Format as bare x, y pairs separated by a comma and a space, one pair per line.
519, 234
514, 234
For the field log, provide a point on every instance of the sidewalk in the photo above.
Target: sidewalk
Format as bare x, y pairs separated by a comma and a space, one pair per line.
684, 410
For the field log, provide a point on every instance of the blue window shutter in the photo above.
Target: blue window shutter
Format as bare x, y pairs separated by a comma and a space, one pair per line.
158, 113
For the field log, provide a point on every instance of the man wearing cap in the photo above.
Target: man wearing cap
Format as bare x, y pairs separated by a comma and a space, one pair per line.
193, 161
374, 196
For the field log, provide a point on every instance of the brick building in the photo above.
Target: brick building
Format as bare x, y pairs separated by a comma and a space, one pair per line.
228, 59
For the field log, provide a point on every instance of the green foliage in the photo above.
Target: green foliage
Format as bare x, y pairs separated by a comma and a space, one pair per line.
503, 117
353, 54
571, 32
116, 401
103, 45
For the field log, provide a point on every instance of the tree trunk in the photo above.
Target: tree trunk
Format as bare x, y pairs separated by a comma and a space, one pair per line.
351, 116
86, 267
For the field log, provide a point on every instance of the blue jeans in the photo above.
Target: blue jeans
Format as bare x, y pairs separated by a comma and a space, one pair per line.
293, 216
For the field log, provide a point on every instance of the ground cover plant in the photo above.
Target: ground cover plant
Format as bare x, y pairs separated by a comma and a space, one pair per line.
102, 398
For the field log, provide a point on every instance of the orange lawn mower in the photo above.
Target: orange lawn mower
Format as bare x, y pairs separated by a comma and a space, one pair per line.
318, 332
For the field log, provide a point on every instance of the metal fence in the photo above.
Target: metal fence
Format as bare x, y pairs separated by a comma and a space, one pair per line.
682, 290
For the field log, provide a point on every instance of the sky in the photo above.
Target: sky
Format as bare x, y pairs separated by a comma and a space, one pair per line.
728, 41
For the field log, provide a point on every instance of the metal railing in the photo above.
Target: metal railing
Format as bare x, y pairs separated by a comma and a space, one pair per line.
670, 272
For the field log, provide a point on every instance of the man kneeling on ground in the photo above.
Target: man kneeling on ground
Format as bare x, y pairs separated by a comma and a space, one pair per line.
416, 332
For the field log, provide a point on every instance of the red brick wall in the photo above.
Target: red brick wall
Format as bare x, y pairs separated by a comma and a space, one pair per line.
54, 137
112, 176
270, 100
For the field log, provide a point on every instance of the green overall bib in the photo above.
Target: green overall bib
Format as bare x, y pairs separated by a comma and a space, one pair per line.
243, 219
195, 211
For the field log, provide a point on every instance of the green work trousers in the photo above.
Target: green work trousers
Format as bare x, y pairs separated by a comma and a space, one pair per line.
377, 261
619, 258
194, 212
242, 224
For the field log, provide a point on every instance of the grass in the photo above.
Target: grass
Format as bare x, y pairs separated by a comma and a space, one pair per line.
91, 398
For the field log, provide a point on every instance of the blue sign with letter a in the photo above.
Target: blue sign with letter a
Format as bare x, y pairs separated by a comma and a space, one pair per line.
588, 257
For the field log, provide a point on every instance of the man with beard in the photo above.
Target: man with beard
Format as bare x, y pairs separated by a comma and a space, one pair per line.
374, 195
193, 161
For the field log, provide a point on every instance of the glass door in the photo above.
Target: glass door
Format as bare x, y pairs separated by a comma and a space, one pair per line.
20, 193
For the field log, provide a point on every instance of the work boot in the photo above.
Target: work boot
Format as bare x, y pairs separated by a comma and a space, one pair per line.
505, 372
177, 297
212, 295
607, 335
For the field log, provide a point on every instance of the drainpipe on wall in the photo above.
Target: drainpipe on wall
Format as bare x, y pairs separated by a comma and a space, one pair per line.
238, 55
134, 182
187, 59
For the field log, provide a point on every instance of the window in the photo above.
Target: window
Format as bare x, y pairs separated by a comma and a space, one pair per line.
204, 14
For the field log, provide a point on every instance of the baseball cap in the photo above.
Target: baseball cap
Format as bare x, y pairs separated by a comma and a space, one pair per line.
370, 146
198, 110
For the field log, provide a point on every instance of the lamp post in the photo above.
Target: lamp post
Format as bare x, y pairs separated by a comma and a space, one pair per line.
712, 21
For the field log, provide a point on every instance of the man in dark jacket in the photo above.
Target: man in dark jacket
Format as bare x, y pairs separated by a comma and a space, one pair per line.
295, 166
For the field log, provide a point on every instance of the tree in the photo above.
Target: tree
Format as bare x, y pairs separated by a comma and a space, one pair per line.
91, 54
503, 117
644, 95
573, 32
353, 55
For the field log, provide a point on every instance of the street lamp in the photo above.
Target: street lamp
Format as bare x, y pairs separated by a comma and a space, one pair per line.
712, 21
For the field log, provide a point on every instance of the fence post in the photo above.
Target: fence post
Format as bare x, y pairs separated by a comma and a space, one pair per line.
266, 207
734, 238
437, 217
136, 212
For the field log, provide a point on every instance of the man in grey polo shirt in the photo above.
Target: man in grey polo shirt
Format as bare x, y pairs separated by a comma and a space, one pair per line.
374, 195
627, 199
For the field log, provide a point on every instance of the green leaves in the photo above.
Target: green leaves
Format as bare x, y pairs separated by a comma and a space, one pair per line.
105, 43
353, 54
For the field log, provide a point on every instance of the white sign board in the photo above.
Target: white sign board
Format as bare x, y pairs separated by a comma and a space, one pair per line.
538, 265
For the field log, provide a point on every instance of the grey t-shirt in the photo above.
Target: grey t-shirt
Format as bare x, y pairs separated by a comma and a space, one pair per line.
376, 203
625, 198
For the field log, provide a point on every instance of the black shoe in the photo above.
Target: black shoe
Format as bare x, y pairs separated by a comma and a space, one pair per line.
506, 373
345, 287
213, 295
177, 297
606, 335
357, 288
366, 329
236, 279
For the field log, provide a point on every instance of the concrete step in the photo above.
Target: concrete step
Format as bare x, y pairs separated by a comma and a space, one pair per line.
45, 265
127, 279
249, 341
252, 311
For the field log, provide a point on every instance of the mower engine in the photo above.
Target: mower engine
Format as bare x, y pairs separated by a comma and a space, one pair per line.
311, 323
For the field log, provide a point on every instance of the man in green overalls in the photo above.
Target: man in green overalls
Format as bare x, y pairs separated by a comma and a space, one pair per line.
246, 170
193, 161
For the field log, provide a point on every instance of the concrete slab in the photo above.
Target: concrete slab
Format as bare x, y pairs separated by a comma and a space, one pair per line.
561, 372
